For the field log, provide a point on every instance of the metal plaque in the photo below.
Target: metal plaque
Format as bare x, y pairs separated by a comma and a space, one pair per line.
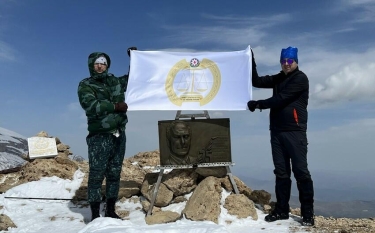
195, 141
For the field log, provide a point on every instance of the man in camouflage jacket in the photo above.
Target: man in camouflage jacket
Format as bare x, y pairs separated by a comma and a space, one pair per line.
102, 97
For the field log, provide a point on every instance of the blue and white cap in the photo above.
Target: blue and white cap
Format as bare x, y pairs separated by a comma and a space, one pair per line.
290, 52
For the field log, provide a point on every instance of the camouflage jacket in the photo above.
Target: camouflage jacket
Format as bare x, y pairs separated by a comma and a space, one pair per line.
98, 95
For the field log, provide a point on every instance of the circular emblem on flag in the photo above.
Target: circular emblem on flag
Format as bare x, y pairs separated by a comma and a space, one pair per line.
194, 81
194, 62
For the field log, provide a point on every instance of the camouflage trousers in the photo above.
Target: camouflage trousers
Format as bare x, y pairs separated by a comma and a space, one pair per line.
106, 154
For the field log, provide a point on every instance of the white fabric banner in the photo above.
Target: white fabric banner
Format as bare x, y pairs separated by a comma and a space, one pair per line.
162, 80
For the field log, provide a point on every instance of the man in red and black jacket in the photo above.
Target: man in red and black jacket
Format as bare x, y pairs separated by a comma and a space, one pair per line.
288, 125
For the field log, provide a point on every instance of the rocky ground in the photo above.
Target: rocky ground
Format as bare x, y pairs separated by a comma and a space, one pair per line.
339, 225
343, 225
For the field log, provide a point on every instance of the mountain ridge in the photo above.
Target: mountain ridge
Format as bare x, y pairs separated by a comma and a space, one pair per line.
13, 147
325, 203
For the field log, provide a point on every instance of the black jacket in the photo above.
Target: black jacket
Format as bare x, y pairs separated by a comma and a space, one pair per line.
289, 101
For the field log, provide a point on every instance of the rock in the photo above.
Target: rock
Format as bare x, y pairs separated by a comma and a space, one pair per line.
6, 222
66, 161
261, 197
267, 209
240, 206
164, 196
146, 160
35, 170
296, 211
178, 199
162, 217
42, 134
242, 187
58, 141
128, 189
132, 171
146, 206
204, 203
181, 181
343, 225
61, 147
124, 214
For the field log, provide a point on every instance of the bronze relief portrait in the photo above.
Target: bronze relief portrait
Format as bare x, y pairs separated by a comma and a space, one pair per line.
191, 142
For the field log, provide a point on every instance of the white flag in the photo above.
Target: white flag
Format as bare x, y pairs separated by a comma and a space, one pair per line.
162, 80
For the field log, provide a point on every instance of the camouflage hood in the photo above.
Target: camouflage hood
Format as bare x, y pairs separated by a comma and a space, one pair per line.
91, 61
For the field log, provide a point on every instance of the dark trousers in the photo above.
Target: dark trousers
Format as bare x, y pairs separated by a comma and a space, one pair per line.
106, 155
289, 153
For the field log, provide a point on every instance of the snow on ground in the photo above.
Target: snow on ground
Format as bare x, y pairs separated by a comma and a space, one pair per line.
62, 216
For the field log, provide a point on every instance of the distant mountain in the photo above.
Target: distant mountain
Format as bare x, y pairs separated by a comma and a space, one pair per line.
345, 209
349, 200
12, 147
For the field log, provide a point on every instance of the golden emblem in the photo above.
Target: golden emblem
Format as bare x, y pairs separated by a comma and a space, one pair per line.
197, 81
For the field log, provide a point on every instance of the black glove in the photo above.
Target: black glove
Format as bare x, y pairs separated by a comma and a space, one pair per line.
121, 107
252, 105
131, 48
255, 104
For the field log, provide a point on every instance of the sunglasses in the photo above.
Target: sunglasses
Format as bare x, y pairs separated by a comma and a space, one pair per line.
289, 61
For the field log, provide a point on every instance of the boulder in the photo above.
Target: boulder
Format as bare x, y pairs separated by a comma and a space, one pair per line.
204, 203
261, 197
181, 181
242, 187
162, 217
164, 196
240, 206
6, 222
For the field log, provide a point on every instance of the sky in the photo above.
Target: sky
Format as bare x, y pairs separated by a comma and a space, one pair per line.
44, 47
60, 216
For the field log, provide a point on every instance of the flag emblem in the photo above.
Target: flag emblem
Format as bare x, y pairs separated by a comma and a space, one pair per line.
194, 81
194, 62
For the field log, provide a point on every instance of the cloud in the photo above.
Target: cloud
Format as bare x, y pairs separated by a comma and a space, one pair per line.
339, 76
354, 82
6, 52
335, 76
75, 111
231, 31
345, 147
363, 11
265, 55
215, 34
359, 2
74, 106
258, 22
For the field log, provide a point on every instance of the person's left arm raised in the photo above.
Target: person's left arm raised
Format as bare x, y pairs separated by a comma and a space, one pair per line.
125, 78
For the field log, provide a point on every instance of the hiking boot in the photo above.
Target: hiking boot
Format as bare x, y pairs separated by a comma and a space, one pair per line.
308, 221
110, 209
95, 209
276, 216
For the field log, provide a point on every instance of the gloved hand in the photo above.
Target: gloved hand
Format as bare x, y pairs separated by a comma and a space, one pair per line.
131, 48
121, 107
252, 105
